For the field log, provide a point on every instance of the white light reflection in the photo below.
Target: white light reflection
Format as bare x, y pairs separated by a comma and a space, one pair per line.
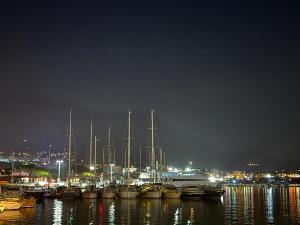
298, 203
57, 212
111, 214
71, 216
176, 217
269, 205
222, 199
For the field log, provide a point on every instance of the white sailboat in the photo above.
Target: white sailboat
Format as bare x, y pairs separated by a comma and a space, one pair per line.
128, 191
91, 192
69, 191
110, 191
152, 190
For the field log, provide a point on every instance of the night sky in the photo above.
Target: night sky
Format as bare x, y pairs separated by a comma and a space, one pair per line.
222, 76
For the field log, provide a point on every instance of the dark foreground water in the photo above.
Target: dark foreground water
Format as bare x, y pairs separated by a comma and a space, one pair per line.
243, 205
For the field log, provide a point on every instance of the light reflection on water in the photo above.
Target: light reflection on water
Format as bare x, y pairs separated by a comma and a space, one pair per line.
57, 212
239, 205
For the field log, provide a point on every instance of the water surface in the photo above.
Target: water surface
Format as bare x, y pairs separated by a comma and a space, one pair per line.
240, 205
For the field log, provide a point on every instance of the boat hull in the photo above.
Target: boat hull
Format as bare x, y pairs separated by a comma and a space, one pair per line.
172, 194
128, 194
213, 194
89, 195
28, 203
10, 205
192, 193
152, 194
108, 195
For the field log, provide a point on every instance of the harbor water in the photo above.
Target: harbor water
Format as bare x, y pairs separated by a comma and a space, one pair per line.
239, 205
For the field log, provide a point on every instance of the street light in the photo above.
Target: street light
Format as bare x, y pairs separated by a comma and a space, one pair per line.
59, 162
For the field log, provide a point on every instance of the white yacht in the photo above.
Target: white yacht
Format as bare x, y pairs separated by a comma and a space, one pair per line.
192, 178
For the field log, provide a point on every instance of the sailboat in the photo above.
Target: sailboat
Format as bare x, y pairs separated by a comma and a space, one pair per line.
91, 192
128, 191
152, 190
110, 191
70, 192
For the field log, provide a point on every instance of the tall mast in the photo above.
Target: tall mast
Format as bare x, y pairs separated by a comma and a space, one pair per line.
95, 159
140, 159
91, 145
164, 158
109, 152
69, 152
49, 163
128, 149
152, 146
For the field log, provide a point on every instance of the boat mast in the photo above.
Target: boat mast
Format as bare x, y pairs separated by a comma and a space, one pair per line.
69, 152
95, 159
152, 146
12, 167
49, 163
140, 159
91, 146
109, 151
128, 149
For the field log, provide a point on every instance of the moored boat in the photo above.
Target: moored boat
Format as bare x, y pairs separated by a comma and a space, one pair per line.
90, 193
128, 192
170, 191
10, 204
151, 191
192, 192
68, 192
28, 202
108, 193
213, 192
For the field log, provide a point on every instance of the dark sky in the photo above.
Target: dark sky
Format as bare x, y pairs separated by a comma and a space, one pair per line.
222, 75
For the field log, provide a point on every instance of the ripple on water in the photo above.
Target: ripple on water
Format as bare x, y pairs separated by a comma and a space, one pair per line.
242, 205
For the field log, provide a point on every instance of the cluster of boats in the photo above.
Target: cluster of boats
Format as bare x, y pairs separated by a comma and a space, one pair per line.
13, 198
153, 191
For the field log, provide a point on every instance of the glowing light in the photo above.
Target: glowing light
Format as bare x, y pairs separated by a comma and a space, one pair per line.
187, 169
212, 179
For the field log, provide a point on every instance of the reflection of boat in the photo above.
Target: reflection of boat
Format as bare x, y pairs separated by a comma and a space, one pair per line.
12, 215
2, 208
170, 191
